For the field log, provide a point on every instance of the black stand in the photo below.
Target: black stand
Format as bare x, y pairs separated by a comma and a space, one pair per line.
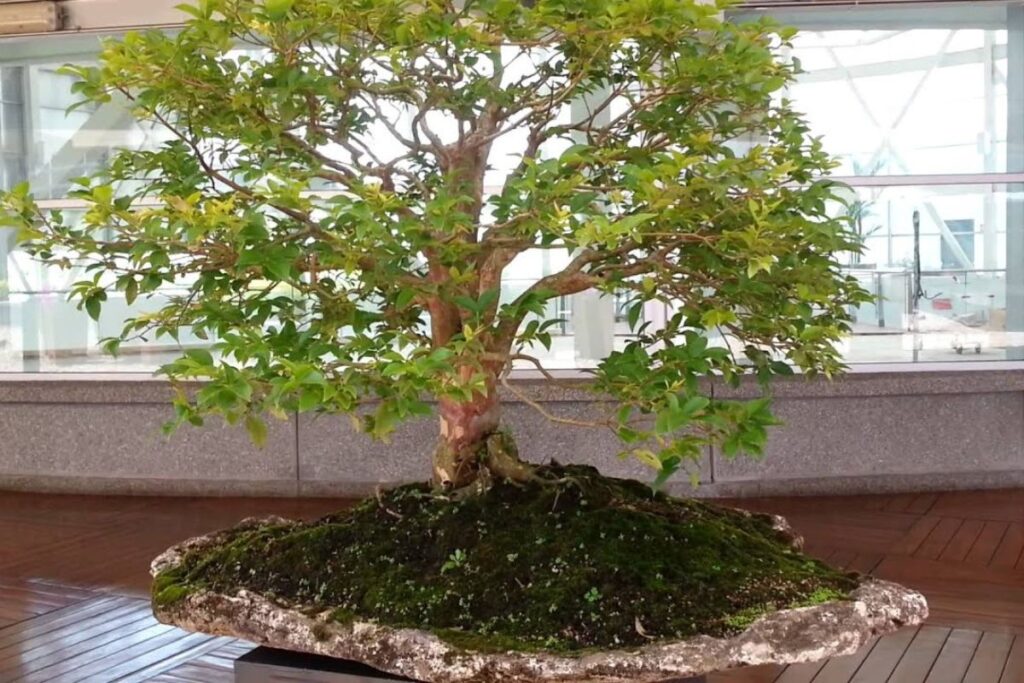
267, 665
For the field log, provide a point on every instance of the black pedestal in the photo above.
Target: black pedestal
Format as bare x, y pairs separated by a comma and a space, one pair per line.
267, 665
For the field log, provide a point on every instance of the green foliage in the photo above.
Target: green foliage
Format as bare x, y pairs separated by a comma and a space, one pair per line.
339, 248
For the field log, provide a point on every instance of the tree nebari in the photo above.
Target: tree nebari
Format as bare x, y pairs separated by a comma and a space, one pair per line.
473, 449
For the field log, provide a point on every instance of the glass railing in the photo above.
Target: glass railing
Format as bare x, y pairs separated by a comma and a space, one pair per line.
951, 315
957, 315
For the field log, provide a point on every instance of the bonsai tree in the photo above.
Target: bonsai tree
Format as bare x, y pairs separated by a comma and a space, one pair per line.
343, 185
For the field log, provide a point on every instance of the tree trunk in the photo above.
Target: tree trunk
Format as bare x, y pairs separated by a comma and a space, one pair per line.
472, 448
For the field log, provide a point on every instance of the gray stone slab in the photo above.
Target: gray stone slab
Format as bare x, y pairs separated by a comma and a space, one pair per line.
117, 441
896, 382
857, 485
134, 486
74, 389
897, 435
337, 460
941, 428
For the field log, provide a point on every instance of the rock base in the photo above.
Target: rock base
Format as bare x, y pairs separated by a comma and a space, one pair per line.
788, 636
267, 665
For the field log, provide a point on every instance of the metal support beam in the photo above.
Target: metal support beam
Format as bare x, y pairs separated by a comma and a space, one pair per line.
86, 148
1015, 162
593, 312
989, 234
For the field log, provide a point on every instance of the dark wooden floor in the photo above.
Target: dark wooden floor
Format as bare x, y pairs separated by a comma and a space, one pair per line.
73, 585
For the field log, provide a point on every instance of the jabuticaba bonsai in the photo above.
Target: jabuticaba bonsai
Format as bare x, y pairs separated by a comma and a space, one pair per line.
342, 193
568, 562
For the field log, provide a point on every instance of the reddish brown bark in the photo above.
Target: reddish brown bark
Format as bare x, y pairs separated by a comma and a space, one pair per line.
465, 428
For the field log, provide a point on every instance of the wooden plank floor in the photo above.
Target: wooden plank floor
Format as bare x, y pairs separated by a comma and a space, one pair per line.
74, 580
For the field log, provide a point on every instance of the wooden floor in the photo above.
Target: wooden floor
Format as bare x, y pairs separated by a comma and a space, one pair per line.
73, 585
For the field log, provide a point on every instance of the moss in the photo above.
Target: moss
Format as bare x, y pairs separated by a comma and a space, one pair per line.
576, 562
167, 591
745, 618
821, 596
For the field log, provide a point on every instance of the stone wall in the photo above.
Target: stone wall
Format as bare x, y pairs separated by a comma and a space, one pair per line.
870, 431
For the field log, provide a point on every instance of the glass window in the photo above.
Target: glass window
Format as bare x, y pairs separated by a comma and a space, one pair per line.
900, 90
936, 258
923, 105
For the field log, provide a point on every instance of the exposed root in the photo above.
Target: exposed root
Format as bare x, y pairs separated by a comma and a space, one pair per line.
465, 474
501, 459
378, 493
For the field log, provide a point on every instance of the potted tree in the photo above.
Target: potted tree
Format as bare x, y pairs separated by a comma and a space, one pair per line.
338, 202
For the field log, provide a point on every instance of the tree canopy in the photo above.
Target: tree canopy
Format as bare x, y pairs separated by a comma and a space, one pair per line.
343, 185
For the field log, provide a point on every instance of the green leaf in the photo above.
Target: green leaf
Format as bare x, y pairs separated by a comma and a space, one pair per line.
311, 398
694, 405
92, 307
627, 224
628, 435
634, 313
404, 298
715, 317
575, 153
759, 263
394, 369
131, 291
278, 9
670, 419
647, 457
201, 356
669, 466
257, 429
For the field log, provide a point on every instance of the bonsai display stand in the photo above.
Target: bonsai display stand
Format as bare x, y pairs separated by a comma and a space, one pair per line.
267, 665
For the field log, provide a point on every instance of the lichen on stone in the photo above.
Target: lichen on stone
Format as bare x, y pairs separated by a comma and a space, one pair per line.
570, 563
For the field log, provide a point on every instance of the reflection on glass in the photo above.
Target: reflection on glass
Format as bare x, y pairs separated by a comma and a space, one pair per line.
936, 258
893, 91
897, 90
40, 140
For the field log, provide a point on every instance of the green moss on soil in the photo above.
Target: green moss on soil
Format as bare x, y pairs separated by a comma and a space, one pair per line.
588, 562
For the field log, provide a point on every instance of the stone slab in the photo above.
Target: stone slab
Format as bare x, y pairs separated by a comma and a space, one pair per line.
116, 441
335, 459
887, 435
268, 665
879, 430
898, 381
